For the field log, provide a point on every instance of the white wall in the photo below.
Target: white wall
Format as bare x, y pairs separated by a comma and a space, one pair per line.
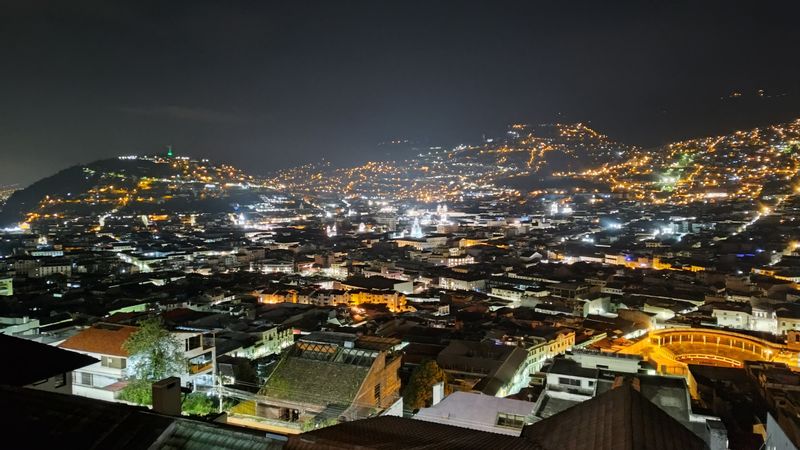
776, 438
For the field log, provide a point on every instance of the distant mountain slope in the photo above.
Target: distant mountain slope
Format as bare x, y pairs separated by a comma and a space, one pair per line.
548, 149
526, 153
144, 185
73, 181
748, 164
745, 164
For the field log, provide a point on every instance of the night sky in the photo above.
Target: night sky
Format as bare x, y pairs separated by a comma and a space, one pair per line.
266, 85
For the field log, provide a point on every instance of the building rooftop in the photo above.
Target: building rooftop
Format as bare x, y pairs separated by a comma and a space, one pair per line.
395, 433
374, 282
550, 406
48, 420
53, 361
102, 338
475, 411
319, 374
620, 419
567, 366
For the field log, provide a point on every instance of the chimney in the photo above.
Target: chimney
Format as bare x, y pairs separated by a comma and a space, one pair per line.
438, 392
167, 396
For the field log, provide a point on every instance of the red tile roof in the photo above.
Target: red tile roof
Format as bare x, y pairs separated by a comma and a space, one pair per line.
104, 339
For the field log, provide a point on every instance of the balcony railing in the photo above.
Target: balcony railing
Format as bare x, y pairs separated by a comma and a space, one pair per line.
197, 368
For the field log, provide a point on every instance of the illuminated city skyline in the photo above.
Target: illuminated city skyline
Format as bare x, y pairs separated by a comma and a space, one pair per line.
400, 225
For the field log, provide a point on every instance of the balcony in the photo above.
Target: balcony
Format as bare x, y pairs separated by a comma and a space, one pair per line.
201, 367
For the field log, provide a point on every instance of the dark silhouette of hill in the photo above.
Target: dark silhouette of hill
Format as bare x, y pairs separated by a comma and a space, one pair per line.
76, 180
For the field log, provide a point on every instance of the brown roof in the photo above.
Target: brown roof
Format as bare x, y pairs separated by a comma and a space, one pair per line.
619, 419
103, 338
389, 433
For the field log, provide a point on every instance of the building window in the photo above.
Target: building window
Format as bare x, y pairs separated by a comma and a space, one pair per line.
193, 342
62, 380
569, 381
86, 378
510, 420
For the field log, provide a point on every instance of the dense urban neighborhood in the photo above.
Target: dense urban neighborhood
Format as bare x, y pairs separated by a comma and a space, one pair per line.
496, 309
400, 225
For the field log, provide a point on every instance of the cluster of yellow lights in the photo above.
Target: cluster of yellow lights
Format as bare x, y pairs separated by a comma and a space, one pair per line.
120, 189
466, 170
735, 166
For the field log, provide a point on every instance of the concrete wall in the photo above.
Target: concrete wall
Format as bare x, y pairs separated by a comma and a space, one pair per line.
61, 384
776, 437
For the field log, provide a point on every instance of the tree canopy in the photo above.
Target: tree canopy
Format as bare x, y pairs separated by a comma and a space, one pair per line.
419, 391
153, 354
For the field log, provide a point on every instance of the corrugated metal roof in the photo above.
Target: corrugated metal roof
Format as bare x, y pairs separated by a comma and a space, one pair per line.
389, 433
187, 435
620, 419
48, 420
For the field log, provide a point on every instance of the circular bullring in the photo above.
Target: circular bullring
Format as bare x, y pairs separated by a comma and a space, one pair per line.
718, 347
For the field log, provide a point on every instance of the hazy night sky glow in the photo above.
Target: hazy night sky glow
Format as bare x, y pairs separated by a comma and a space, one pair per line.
266, 85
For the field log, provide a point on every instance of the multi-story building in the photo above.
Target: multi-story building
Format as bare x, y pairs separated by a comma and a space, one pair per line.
6, 286
48, 269
329, 297
269, 342
788, 319
40, 366
568, 290
486, 367
323, 379
105, 379
583, 375
463, 282
733, 315
105, 341
392, 299
18, 326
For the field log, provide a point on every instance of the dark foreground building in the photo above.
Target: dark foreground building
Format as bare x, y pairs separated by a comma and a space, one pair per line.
620, 419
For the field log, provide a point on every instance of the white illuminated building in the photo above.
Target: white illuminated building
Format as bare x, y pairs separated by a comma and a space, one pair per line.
441, 210
416, 229
330, 230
